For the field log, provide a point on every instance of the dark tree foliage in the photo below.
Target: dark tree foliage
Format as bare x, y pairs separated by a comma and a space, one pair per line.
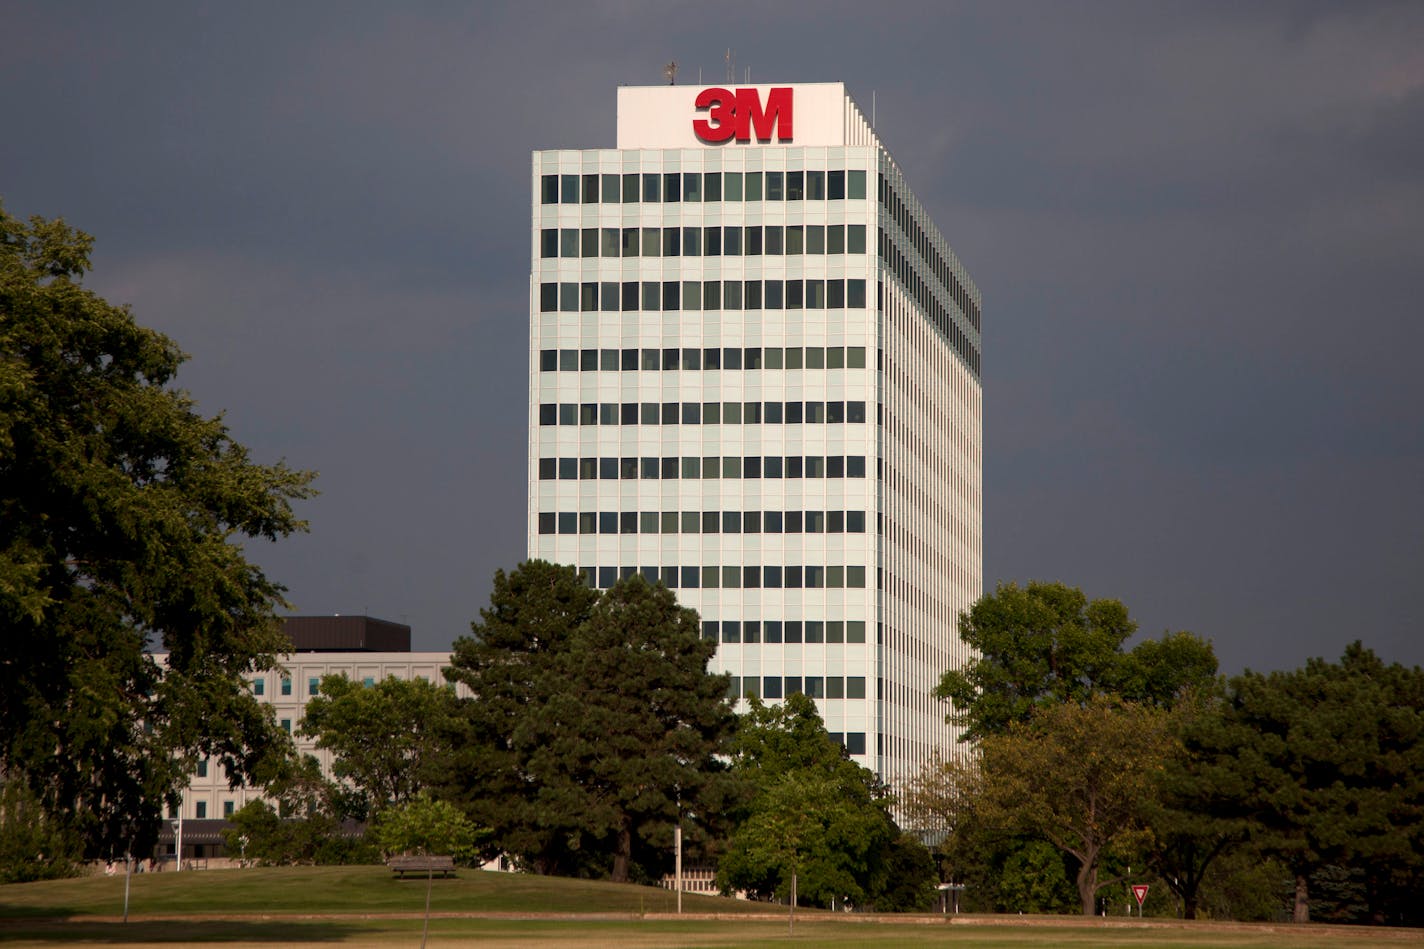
815, 815
594, 724
1045, 644
122, 512
1326, 763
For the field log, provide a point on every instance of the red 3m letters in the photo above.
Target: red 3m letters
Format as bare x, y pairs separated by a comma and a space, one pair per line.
741, 114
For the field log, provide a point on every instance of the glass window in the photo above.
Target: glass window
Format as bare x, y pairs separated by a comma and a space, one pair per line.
608, 469
630, 241
751, 293
652, 241
692, 359
815, 239
752, 185
568, 522
775, 186
794, 416
611, 189
795, 185
652, 295
855, 293
855, 633
855, 357
771, 687
794, 360
568, 189
793, 627
549, 242
711, 466
732, 186
691, 241
795, 240
590, 189
712, 413
548, 297
773, 357
691, 186
314, 686
771, 630
835, 239
630, 188
835, 185
630, 297
549, 189
712, 186
712, 242
712, 358
815, 186
793, 294
672, 187
287, 681
771, 522
855, 238
855, 185
672, 242
568, 469
775, 242
588, 297
732, 241
752, 241
201, 810
712, 295
815, 357
732, 295
855, 741
651, 188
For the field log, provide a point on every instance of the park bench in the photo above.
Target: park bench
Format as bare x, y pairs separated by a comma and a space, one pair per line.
445, 866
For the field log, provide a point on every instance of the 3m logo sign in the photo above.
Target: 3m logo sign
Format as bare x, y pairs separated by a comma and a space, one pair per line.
740, 115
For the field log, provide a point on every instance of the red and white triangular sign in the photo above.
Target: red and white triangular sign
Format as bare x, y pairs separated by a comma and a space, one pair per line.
1139, 890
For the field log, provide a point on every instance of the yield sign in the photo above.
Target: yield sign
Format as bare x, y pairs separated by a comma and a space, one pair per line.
1139, 890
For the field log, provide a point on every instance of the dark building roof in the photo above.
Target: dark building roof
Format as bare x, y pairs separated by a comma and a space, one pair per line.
346, 634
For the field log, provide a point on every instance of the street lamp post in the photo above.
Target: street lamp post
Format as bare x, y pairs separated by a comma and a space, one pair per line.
178, 840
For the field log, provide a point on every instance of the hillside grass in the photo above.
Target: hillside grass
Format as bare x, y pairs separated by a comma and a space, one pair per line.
366, 907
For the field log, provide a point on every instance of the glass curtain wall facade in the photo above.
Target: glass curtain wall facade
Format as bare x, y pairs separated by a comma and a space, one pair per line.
754, 377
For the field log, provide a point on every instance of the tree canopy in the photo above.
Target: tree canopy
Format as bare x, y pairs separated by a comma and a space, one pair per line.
1045, 644
594, 723
1326, 763
815, 818
122, 512
386, 739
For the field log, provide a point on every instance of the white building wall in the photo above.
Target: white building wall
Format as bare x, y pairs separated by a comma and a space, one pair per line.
878, 628
287, 692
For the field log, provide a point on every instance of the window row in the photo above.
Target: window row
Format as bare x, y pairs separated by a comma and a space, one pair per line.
790, 631
813, 687
730, 357
701, 413
899, 212
711, 467
934, 309
729, 241
631, 296
200, 809
790, 577
705, 187
702, 522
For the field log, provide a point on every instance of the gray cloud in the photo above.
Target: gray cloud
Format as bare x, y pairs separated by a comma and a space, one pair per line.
1197, 228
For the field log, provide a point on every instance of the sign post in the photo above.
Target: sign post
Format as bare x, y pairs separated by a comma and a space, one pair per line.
1139, 890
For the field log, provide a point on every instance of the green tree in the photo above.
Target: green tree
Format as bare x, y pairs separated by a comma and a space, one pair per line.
33, 844
426, 826
1327, 764
632, 732
386, 738
508, 664
1077, 776
594, 725
1046, 643
813, 815
122, 517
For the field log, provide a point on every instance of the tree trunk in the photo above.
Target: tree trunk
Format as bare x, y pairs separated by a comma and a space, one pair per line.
624, 854
1088, 887
1302, 899
1189, 906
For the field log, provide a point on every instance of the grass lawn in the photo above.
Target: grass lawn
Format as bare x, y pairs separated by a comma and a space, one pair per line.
365, 906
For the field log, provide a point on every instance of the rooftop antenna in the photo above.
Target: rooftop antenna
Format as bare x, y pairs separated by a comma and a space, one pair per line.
731, 61
670, 70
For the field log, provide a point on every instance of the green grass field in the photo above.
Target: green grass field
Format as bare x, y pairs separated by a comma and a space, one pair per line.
365, 906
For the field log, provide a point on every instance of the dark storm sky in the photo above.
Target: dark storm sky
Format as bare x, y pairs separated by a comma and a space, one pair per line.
1198, 228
